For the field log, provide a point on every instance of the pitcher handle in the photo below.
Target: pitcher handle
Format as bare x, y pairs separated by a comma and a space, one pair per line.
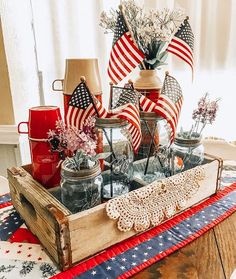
23, 132
54, 85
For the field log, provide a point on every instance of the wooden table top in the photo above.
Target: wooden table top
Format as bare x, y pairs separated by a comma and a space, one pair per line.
211, 256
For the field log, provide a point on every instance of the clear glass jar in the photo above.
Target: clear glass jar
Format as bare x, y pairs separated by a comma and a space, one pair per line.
151, 161
186, 154
80, 190
118, 167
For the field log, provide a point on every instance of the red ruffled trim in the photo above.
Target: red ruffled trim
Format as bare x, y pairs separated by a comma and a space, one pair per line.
5, 204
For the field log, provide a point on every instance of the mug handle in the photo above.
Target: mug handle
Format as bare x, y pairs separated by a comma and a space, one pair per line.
54, 83
23, 132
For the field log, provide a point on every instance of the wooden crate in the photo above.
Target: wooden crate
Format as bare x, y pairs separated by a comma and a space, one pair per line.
69, 238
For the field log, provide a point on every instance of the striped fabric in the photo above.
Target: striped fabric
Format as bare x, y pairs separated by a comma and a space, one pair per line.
82, 106
125, 105
182, 44
130, 112
168, 105
125, 55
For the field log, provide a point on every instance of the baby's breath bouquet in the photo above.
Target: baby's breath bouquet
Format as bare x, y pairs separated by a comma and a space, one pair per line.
152, 30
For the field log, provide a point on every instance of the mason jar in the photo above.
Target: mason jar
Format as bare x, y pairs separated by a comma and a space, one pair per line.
80, 190
118, 167
186, 154
151, 162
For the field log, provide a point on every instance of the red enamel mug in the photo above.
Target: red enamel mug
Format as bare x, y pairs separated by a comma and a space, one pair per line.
45, 164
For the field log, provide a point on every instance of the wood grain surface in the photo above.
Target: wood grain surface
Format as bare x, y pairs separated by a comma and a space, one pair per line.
225, 234
211, 256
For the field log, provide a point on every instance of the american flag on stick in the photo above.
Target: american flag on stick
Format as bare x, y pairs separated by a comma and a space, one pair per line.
182, 44
168, 105
82, 105
126, 107
125, 55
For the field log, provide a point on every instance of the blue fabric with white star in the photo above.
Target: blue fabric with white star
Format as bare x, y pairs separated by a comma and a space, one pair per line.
5, 198
135, 256
10, 225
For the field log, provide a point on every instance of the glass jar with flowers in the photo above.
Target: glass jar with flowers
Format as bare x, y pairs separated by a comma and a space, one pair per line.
152, 31
81, 180
187, 149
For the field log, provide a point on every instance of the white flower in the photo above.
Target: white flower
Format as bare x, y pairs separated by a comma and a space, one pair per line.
152, 30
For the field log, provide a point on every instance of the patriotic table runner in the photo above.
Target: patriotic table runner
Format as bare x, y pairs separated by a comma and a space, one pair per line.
21, 255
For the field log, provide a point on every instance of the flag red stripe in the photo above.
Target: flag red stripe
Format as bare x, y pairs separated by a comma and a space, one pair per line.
170, 103
181, 58
116, 71
118, 63
114, 59
77, 122
124, 54
182, 45
131, 114
121, 58
165, 108
168, 113
169, 109
130, 46
90, 111
139, 53
110, 74
178, 50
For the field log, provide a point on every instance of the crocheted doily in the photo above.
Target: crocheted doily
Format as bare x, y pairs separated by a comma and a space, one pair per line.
149, 205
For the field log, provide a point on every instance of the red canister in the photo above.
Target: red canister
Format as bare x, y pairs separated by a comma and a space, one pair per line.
45, 164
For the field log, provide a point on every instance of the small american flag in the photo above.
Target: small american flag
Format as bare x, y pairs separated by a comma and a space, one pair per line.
182, 44
122, 96
82, 106
127, 107
125, 55
168, 105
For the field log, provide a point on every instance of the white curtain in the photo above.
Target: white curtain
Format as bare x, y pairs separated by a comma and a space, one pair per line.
70, 29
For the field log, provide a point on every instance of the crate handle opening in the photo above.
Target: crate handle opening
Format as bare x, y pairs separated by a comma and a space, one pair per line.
28, 206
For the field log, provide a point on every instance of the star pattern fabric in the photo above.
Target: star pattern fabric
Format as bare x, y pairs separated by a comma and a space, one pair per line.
172, 89
80, 97
125, 54
10, 225
122, 96
182, 44
126, 103
83, 105
120, 28
186, 34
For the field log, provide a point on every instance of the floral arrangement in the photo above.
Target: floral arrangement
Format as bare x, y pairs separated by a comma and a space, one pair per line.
67, 140
152, 30
204, 114
78, 145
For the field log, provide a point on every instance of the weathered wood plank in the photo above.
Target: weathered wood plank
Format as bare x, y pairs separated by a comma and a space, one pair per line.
35, 190
198, 260
226, 238
38, 226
